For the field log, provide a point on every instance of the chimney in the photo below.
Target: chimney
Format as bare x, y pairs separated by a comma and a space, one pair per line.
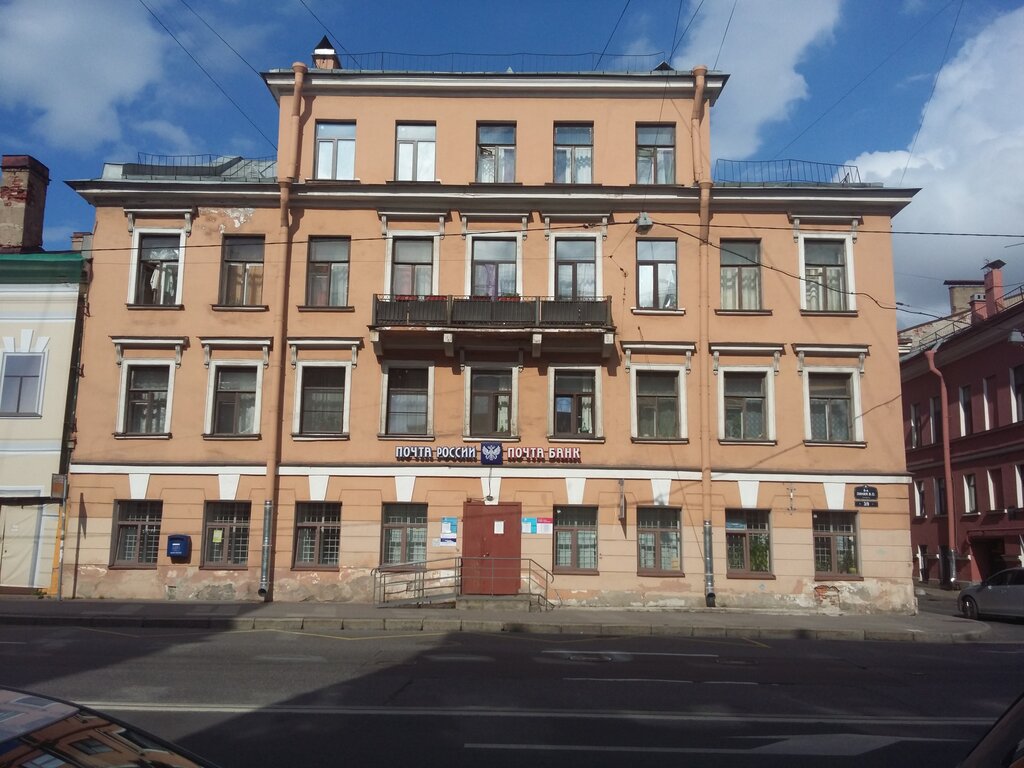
22, 200
979, 308
994, 287
961, 293
324, 55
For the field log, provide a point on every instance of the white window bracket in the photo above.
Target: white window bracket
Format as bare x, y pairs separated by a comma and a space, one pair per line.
587, 222
449, 344
860, 362
209, 344
714, 363
800, 363
775, 361
467, 217
185, 213
796, 229
536, 344
121, 343
351, 344
689, 356
629, 358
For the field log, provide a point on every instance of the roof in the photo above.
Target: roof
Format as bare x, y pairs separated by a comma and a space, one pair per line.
43, 267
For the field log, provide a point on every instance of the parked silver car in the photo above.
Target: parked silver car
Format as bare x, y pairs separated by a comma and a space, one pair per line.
1001, 594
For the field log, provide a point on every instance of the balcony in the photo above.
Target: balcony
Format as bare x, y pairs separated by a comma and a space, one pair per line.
457, 320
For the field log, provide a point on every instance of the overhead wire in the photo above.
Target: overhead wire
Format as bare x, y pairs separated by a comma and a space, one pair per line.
331, 35
614, 29
219, 37
220, 88
726, 32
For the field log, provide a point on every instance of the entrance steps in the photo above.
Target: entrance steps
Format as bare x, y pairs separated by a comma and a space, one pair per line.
511, 603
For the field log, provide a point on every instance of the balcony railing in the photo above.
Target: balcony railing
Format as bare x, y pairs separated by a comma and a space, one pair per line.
490, 312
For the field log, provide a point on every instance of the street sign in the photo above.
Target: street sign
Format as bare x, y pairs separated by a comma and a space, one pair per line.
865, 496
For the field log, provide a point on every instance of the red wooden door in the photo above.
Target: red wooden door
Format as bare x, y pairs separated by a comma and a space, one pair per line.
491, 548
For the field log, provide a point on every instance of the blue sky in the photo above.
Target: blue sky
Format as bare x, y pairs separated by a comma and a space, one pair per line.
88, 81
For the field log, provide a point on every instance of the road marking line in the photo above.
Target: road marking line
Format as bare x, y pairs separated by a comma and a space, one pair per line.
624, 680
387, 636
632, 653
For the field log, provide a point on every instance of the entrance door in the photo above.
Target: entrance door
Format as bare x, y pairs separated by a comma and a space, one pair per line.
491, 548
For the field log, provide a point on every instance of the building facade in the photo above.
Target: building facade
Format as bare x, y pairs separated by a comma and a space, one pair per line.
503, 317
39, 322
964, 422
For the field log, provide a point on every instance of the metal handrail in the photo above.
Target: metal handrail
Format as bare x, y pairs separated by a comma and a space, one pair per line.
445, 310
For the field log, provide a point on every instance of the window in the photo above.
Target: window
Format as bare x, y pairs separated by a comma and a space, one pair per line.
574, 153
1018, 476
157, 269
412, 266
574, 404
317, 534
835, 544
490, 403
226, 534
494, 267
408, 401
414, 152
988, 393
496, 153
1017, 382
831, 411
21, 385
657, 404
241, 282
745, 405
996, 502
966, 416
235, 400
137, 532
970, 495
919, 501
741, 275
336, 150
575, 540
747, 542
935, 411
655, 154
90, 746
827, 277
404, 535
656, 274
575, 268
322, 400
327, 272
914, 436
658, 540
146, 396
940, 496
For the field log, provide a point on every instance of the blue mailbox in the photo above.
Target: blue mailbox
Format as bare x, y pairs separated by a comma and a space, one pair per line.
179, 545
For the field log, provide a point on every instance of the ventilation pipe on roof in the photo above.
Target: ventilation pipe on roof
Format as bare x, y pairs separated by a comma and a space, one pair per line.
324, 55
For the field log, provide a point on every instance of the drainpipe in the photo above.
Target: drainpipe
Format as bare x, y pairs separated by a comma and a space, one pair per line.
287, 174
947, 463
704, 304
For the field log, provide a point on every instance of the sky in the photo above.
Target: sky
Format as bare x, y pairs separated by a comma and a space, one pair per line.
915, 93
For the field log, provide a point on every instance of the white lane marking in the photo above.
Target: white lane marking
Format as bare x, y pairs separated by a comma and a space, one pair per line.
561, 652
624, 680
13, 642
526, 714
730, 682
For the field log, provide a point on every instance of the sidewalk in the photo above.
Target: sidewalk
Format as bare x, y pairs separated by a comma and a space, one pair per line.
941, 627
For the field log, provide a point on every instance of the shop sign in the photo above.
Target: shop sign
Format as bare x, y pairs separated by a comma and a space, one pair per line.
439, 453
497, 453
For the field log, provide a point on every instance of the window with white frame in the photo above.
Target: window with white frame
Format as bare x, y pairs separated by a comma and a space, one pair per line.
919, 499
966, 412
833, 406
336, 150
496, 152
740, 275
656, 284
327, 272
996, 500
655, 154
1017, 394
156, 267
914, 426
745, 404
575, 403
935, 417
415, 151
241, 279
492, 399
494, 266
21, 383
658, 411
970, 495
574, 153
1018, 478
827, 269
412, 266
146, 388
576, 267
322, 396
408, 408
988, 395
234, 400
939, 484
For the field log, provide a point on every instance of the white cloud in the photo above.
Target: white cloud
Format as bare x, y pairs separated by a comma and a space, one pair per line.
73, 67
172, 139
762, 51
969, 162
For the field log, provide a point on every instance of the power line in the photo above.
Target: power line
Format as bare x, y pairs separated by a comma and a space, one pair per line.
618, 21
333, 36
726, 32
685, 30
211, 78
206, 23
935, 82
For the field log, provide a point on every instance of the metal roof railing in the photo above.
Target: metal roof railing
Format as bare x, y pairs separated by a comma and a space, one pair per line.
771, 173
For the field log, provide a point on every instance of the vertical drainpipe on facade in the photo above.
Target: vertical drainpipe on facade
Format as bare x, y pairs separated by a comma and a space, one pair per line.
947, 463
285, 178
704, 306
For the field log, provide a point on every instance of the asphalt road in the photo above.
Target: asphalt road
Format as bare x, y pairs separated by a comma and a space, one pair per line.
275, 698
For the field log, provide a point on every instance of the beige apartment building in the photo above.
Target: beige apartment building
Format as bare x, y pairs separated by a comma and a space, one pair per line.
494, 331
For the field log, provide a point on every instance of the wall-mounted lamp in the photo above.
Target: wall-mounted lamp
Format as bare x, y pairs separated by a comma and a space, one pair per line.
643, 223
